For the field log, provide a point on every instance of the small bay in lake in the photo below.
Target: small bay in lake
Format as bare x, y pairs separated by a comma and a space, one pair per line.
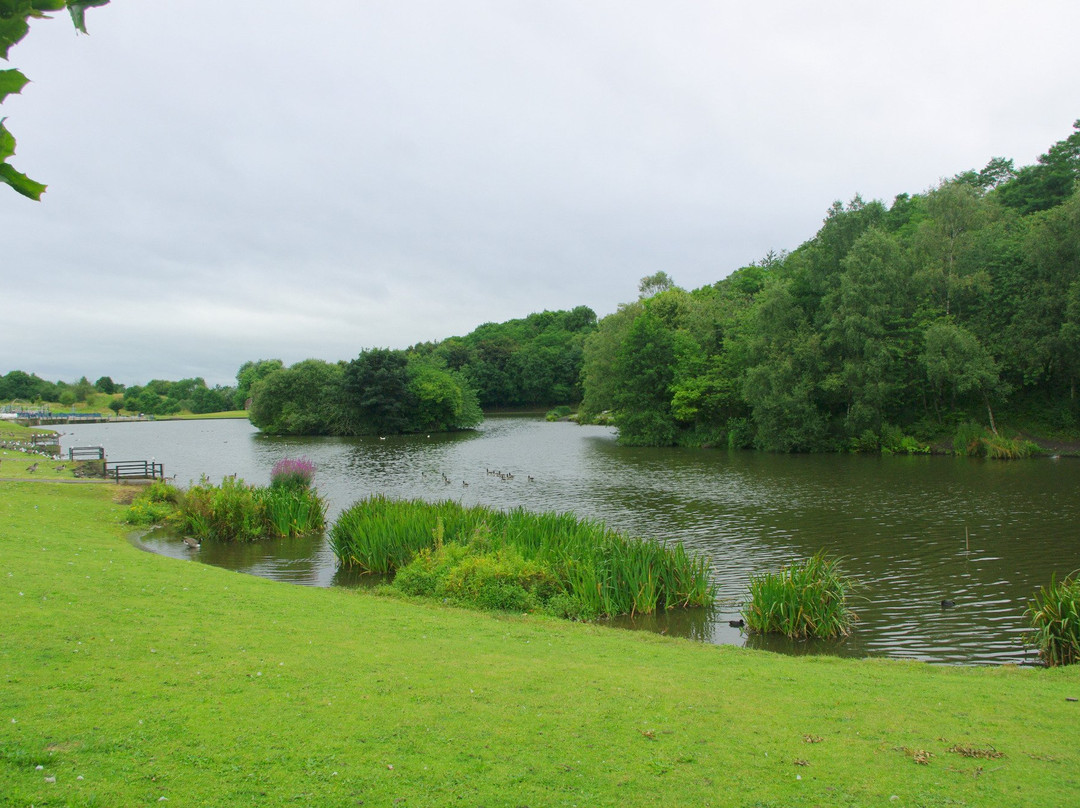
912, 531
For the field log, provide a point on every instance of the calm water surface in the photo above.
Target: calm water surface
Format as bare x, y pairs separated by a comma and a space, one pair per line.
913, 531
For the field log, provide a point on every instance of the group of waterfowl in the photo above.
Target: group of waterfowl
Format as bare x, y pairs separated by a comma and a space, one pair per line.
505, 476
33, 467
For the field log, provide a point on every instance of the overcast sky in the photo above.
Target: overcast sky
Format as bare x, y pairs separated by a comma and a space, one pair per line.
263, 179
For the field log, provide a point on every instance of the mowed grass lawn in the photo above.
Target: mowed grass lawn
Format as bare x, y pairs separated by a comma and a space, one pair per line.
128, 679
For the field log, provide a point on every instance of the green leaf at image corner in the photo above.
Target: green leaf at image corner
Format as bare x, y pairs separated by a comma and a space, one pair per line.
7, 142
12, 30
78, 11
11, 82
21, 183
8, 175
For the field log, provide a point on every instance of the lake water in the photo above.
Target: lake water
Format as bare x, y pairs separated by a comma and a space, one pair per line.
913, 531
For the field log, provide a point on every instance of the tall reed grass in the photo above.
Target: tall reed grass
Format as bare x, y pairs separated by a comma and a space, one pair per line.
1054, 614
807, 599
975, 441
605, 572
236, 511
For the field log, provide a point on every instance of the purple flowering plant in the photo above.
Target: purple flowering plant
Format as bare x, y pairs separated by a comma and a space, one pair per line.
292, 473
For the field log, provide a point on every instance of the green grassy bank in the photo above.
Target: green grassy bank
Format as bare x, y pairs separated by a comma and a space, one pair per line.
126, 678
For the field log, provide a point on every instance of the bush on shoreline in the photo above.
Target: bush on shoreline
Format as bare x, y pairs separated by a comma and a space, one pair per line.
975, 441
156, 504
234, 510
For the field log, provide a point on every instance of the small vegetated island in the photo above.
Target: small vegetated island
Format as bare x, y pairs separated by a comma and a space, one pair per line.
516, 560
531, 362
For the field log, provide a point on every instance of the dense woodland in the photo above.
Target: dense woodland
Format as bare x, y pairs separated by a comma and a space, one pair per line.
946, 315
957, 309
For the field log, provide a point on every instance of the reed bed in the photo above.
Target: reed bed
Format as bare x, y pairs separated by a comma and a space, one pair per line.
807, 599
236, 511
1054, 614
603, 571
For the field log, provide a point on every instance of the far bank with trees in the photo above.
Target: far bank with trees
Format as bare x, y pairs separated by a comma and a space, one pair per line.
948, 317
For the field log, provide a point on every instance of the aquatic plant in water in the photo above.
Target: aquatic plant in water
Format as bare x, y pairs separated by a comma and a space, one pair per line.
603, 572
806, 599
236, 511
1054, 614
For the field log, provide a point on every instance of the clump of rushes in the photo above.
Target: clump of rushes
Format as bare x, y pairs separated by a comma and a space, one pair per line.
1054, 614
807, 599
574, 567
1000, 448
236, 511
292, 473
156, 504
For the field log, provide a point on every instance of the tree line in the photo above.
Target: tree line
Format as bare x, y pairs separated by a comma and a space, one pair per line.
433, 386
430, 387
157, 397
892, 326
946, 313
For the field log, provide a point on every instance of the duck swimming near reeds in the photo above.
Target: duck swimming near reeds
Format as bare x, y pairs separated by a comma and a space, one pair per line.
193, 543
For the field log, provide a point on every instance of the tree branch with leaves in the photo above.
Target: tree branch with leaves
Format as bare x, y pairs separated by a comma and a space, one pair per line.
15, 16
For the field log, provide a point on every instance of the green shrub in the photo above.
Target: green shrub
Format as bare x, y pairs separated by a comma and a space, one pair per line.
471, 575
999, 448
1054, 614
974, 441
909, 445
421, 576
867, 443
156, 504
231, 511
968, 439
161, 491
893, 441
804, 600
740, 433
555, 414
